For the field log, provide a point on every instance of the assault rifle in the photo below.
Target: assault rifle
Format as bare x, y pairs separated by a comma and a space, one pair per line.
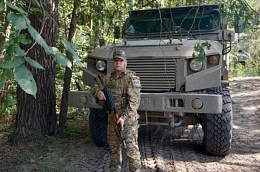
110, 105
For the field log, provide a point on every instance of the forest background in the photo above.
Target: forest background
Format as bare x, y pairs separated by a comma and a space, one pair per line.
44, 46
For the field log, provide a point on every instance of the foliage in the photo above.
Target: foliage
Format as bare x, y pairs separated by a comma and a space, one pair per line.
40, 143
252, 65
15, 58
199, 53
249, 69
249, 41
241, 9
71, 129
20, 160
8, 103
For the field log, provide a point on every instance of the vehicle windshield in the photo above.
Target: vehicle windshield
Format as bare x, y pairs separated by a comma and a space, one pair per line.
168, 21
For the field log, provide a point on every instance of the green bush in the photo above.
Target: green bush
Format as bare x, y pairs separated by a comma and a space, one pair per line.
251, 68
71, 129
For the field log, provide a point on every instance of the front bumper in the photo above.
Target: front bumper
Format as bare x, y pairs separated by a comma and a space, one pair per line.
159, 102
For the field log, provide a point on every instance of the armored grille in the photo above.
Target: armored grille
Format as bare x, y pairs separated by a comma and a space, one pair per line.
156, 74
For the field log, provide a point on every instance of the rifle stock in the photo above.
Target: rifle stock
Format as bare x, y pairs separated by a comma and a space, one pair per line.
110, 105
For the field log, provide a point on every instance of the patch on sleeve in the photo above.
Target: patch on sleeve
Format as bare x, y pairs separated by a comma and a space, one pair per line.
136, 81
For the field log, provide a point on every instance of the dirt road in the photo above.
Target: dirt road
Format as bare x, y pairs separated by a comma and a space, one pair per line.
161, 150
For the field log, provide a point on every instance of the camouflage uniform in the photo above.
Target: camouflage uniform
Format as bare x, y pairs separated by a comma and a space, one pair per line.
125, 90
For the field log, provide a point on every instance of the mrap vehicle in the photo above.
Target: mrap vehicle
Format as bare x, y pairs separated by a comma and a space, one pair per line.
177, 89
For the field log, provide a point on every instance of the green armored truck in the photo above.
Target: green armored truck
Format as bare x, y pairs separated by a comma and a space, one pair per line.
181, 85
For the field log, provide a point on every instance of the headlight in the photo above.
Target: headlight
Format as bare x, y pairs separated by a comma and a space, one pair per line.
101, 65
196, 65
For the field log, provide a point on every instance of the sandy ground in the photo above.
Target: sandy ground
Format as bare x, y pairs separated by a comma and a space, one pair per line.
161, 150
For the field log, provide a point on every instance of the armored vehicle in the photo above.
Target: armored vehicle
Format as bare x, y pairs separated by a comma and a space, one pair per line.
181, 85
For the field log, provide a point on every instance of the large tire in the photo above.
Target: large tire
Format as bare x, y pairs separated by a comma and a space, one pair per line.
218, 127
98, 126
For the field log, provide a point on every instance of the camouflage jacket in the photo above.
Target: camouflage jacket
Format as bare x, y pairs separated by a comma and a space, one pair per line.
125, 90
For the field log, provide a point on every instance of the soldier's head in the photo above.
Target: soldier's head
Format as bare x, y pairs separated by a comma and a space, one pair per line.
119, 61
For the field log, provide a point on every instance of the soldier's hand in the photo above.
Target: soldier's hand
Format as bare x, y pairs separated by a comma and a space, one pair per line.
101, 96
122, 122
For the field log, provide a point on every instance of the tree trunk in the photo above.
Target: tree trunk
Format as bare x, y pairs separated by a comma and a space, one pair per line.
4, 36
68, 72
5, 31
36, 118
97, 21
91, 5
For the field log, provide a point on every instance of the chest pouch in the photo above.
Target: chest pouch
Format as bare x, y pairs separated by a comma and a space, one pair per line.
124, 101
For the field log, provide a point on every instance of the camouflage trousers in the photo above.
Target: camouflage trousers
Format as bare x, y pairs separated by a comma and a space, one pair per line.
132, 150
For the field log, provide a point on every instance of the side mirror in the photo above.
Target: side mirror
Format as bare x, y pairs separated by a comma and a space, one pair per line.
228, 35
117, 32
239, 26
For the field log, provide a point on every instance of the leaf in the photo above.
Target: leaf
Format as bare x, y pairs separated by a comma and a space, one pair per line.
33, 63
201, 52
8, 102
9, 49
2, 6
61, 59
10, 5
196, 48
2, 81
70, 48
206, 44
38, 38
54, 50
19, 51
193, 55
12, 64
17, 20
21, 38
9, 74
25, 79
202, 55
35, 2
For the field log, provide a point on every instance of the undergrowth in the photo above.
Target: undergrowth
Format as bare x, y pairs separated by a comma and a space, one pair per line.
249, 69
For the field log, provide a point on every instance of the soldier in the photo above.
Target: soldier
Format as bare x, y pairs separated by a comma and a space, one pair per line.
125, 87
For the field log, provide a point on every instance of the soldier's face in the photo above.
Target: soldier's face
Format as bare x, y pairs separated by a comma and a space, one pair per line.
119, 65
